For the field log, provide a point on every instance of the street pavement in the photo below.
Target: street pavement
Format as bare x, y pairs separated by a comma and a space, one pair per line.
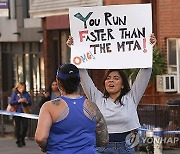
8, 146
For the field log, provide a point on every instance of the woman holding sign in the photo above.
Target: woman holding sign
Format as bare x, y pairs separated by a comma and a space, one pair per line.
118, 104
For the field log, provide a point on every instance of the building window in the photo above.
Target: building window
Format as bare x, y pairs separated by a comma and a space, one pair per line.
26, 8
172, 55
173, 59
12, 9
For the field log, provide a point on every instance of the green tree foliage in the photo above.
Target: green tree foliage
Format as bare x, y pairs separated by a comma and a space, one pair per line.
158, 66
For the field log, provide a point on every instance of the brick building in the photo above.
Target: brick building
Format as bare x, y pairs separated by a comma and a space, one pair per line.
166, 26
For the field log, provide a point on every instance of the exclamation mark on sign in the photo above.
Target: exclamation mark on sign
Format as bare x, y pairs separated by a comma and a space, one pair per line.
144, 45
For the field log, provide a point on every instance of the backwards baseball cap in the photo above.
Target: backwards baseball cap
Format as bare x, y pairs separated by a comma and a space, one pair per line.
67, 70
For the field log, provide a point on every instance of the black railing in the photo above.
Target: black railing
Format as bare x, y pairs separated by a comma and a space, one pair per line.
163, 116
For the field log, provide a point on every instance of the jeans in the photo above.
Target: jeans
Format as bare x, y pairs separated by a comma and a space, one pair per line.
115, 148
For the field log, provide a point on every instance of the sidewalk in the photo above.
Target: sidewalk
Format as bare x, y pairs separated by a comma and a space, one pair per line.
8, 146
177, 151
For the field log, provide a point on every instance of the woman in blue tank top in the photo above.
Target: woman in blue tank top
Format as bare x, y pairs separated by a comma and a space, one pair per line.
70, 124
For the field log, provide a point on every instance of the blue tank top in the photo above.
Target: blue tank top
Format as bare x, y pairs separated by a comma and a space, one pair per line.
75, 134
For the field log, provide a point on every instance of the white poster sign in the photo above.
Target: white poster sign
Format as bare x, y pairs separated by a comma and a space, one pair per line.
111, 37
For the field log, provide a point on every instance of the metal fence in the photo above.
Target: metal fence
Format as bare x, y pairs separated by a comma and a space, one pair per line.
163, 116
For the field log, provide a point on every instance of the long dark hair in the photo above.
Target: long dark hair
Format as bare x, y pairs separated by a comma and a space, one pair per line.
50, 87
125, 83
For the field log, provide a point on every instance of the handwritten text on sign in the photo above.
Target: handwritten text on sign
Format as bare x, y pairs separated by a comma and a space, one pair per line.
111, 36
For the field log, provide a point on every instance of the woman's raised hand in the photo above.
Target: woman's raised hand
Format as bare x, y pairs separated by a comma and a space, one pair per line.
70, 41
153, 39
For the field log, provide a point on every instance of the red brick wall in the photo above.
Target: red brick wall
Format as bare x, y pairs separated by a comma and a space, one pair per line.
49, 55
97, 76
168, 26
115, 2
57, 22
168, 22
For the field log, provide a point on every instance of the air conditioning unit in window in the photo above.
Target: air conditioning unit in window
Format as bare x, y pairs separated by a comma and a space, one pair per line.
166, 83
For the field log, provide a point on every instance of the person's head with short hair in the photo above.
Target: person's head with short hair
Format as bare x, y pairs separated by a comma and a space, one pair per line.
68, 78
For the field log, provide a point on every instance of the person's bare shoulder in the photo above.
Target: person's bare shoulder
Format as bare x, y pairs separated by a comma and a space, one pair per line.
57, 101
49, 105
